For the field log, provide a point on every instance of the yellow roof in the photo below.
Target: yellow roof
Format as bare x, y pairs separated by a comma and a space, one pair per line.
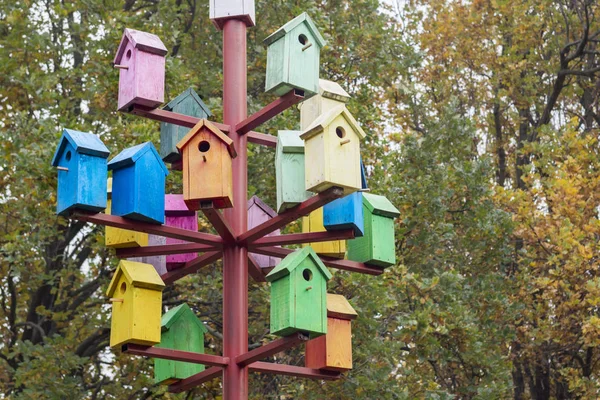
339, 307
138, 275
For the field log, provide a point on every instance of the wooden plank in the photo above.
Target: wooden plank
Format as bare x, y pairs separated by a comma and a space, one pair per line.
195, 380
291, 370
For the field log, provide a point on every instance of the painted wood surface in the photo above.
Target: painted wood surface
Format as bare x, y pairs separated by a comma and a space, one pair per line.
220, 10
345, 213
259, 212
181, 330
118, 238
289, 170
330, 95
187, 103
178, 215
332, 351
158, 262
314, 223
139, 184
135, 319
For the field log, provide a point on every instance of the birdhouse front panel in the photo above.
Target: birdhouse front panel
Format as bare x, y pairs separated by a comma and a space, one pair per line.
121, 326
118, 238
282, 307
314, 223
221, 10
343, 156
289, 170
304, 60
310, 296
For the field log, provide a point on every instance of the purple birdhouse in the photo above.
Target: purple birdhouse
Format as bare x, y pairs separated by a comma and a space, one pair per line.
259, 212
179, 216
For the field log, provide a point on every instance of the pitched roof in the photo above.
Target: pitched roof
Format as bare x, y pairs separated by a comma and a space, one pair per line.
182, 310
82, 142
216, 131
190, 94
332, 90
289, 26
290, 142
130, 155
292, 260
148, 42
137, 274
255, 200
339, 307
327, 118
379, 205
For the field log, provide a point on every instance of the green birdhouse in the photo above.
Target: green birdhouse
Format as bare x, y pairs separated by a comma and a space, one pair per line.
293, 57
377, 247
299, 294
181, 330
289, 170
187, 103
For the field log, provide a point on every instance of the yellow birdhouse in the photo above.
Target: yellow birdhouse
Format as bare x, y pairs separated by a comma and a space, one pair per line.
314, 223
121, 238
332, 152
136, 295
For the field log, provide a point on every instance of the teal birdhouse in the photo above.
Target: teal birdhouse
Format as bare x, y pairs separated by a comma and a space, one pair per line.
293, 57
299, 294
187, 103
181, 330
289, 170
377, 246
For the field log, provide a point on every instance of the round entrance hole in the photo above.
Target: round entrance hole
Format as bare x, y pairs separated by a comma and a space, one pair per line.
302, 39
68, 156
123, 287
204, 146
128, 55
307, 274
340, 132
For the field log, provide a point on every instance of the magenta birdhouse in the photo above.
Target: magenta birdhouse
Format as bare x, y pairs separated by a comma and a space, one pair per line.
178, 215
259, 212
141, 61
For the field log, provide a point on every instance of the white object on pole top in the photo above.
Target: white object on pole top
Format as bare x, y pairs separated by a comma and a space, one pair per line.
222, 10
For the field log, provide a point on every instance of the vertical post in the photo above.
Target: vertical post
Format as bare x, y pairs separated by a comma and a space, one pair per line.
235, 258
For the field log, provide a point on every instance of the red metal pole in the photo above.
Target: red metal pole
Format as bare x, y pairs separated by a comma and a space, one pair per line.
235, 257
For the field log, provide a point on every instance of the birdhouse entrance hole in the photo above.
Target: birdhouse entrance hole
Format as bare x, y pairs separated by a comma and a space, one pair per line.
128, 55
340, 132
307, 274
68, 156
123, 287
302, 39
204, 146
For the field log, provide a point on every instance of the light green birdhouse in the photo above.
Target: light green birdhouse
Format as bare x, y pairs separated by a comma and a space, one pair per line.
289, 170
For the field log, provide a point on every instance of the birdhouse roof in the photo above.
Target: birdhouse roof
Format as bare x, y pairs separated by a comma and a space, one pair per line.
137, 274
292, 260
130, 156
82, 142
188, 95
327, 118
289, 26
255, 200
148, 42
379, 205
175, 206
290, 142
332, 90
181, 311
215, 131
339, 307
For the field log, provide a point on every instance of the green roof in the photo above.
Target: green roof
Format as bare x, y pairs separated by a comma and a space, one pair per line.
290, 142
292, 260
289, 26
182, 310
379, 205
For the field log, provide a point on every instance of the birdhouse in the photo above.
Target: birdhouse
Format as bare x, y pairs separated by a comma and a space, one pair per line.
81, 162
180, 330
207, 175
158, 262
118, 238
332, 152
314, 223
289, 170
141, 62
377, 246
178, 215
298, 294
347, 212
330, 96
136, 295
187, 103
333, 351
259, 212
222, 10
293, 57
139, 184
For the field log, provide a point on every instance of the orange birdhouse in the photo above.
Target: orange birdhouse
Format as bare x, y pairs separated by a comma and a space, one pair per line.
333, 351
206, 155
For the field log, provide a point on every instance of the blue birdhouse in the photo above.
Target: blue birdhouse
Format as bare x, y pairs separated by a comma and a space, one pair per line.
139, 184
347, 212
81, 162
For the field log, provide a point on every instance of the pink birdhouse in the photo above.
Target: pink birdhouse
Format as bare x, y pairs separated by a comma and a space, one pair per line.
259, 212
178, 215
141, 61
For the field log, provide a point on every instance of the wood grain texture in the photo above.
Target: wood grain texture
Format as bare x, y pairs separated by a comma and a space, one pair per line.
332, 352
314, 223
345, 213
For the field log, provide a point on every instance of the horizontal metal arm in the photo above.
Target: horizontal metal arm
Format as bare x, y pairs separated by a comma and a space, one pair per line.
286, 101
176, 355
215, 217
191, 266
166, 249
292, 370
297, 238
196, 380
270, 349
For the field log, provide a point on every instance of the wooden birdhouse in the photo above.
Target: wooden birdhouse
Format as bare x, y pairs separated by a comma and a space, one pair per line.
81, 162
222, 10
207, 176
259, 212
298, 294
187, 103
181, 330
118, 238
330, 95
314, 223
158, 262
332, 152
289, 170
141, 62
139, 184
347, 212
377, 246
136, 295
293, 57
178, 215
333, 351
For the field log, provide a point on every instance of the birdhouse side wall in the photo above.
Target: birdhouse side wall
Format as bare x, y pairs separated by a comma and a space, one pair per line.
384, 248
149, 186
282, 307
187, 222
344, 159
334, 350
315, 164
67, 180
127, 82
361, 249
303, 64
147, 306
92, 174
277, 67
345, 213
314, 223
122, 318
150, 79
310, 300
122, 238
184, 335
123, 195
290, 179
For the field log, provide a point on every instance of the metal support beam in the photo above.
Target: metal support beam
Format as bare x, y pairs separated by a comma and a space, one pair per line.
292, 370
298, 238
191, 266
255, 270
218, 222
195, 380
176, 355
272, 348
286, 101
262, 139
165, 249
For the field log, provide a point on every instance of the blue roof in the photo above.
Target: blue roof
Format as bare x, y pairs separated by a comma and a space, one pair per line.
131, 155
82, 142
